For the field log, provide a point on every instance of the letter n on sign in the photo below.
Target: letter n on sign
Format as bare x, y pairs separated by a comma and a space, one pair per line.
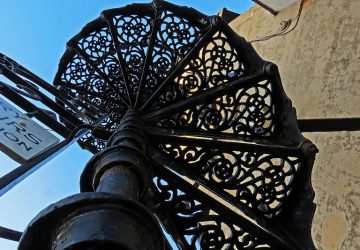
20, 137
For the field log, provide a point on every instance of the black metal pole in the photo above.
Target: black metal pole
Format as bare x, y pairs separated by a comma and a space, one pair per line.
329, 124
108, 213
119, 180
9, 234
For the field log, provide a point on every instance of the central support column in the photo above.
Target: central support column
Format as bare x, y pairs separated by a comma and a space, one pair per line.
108, 213
122, 167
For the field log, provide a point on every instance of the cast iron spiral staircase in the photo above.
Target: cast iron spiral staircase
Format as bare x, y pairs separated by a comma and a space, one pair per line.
229, 166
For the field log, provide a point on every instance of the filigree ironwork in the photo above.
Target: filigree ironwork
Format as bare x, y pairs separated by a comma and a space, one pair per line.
261, 181
186, 71
82, 79
202, 226
133, 37
100, 50
216, 63
175, 36
249, 111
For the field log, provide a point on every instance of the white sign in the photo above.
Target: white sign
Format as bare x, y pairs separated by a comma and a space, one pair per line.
20, 137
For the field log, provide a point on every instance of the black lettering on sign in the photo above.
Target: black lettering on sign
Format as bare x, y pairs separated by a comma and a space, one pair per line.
10, 136
19, 128
20, 137
33, 138
14, 138
22, 131
23, 144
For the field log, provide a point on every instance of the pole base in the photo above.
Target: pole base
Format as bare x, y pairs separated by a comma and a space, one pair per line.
93, 221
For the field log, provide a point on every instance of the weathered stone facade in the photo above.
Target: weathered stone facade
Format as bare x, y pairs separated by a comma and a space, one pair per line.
319, 63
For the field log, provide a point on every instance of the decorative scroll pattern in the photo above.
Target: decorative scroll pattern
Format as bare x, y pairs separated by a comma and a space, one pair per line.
249, 111
100, 48
78, 95
217, 63
78, 101
84, 82
80, 81
175, 37
91, 143
188, 64
261, 181
201, 226
110, 124
134, 37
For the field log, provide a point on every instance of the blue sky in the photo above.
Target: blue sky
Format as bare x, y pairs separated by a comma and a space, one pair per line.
34, 33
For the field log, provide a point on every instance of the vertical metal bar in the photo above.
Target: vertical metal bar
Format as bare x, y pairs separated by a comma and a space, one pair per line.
121, 181
119, 176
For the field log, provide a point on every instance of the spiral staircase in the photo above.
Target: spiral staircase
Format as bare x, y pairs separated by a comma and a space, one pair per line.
192, 133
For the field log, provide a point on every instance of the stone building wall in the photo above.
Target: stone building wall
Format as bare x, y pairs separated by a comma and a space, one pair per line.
319, 62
